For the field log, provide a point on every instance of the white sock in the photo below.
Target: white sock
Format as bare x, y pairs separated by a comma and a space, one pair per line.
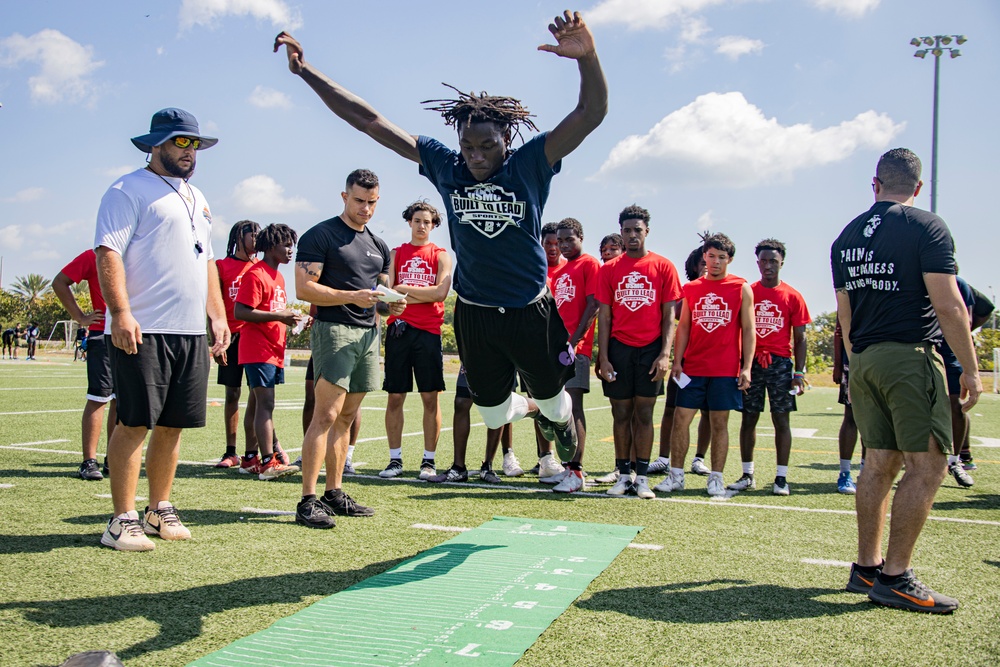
665, 459
952, 459
396, 453
782, 471
429, 455
845, 465
677, 473
747, 467
350, 452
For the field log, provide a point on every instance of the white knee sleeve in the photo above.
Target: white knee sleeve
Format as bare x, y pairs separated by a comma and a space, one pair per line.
514, 408
559, 408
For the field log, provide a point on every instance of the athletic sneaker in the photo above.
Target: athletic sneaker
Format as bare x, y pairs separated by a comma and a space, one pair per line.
427, 469
164, 523
250, 465
298, 462
126, 535
394, 469
452, 474
911, 594
555, 479
658, 466
104, 468
967, 462
511, 466
671, 483
743, 483
348, 466
534, 470
548, 466
611, 478
90, 471
698, 467
641, 488
958, 472
716, 486
228, 461
274, 469
280, 453
860, 582
845, 484
343, 505
564, 435
621, 487
312, 514
573, 481
489, 476
780, 487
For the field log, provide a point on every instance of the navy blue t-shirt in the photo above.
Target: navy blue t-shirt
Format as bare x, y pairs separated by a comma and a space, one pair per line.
495, 225
352, 260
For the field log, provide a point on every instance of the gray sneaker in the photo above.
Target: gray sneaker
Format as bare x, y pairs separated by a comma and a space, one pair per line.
489, 476
90, 471
963, 478
698, 467
658, 466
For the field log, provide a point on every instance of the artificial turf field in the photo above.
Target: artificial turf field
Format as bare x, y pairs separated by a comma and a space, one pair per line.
753, 579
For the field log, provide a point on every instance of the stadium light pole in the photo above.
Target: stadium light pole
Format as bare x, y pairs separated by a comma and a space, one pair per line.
937, 45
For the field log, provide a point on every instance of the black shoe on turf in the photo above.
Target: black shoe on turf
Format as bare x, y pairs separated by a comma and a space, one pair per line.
860, 582
104, 470
311, 513
343, 505
452, 474
489, 476
911, 594
90, 471
563, 434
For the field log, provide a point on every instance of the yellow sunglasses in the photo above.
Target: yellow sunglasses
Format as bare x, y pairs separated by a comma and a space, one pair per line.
185, 142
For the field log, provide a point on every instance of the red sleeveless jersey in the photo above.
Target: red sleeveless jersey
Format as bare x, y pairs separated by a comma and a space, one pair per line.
418, 266
715, 344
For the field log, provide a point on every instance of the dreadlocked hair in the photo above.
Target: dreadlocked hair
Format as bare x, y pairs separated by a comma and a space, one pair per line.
236, 235
273, 236
507, 112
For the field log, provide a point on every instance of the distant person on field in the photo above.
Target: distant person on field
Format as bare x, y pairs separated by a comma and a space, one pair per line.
9, 343
847, 437
31, 336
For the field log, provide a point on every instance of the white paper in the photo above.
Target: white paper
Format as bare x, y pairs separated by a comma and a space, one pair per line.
683, 381
387, 295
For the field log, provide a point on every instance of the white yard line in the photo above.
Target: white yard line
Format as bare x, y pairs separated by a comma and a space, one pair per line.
821, 561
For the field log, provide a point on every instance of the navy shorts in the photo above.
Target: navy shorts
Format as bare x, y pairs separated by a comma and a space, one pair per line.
777, 380
710, 393
264, 375
632, 366
952, 371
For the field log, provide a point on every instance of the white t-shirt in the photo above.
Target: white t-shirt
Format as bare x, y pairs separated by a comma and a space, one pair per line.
144, 220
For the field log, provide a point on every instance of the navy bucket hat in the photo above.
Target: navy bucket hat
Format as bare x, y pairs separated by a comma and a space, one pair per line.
167, 124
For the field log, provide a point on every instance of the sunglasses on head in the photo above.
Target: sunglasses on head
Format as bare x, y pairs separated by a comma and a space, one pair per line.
185, 142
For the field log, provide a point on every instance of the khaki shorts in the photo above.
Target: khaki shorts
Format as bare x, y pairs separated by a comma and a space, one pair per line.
899, 397
346, 355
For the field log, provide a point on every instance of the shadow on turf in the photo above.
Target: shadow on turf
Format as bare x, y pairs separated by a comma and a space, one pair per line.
983, 501
179, 614
729, 600
190, 517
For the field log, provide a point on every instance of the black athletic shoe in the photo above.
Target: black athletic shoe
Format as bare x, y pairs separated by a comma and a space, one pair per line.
90, 471
452, 474
104, 470
911, 594
344, 505
310, 512
487, 475
564, 435
860, 582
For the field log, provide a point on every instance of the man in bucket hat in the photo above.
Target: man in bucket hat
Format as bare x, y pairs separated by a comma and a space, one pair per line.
158, 277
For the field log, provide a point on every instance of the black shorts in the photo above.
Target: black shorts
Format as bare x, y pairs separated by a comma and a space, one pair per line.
844, 398
310, 377
777, 379
100, 386
497, 343
671, 400
231, 375
164, 384
411, 352
462, 385
632, 366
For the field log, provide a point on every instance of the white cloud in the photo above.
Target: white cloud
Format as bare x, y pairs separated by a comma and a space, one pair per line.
269, 98
12, 236
849, 8
722, 139
734, 46
207, 12
705, 221
262, 194
160, 50
64, 65
25, 196
645, 14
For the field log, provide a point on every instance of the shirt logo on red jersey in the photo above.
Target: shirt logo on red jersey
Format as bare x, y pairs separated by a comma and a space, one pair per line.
635, 291
278, 302
711, 312
234, 287
417, 273
563, 290
488, 208
768, 318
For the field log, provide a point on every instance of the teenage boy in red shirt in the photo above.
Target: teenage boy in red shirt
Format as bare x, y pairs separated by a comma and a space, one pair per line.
549, 469
262, 304
712, 356
780, 314
637, 292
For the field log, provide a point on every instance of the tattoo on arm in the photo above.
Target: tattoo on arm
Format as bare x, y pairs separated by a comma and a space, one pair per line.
309, 268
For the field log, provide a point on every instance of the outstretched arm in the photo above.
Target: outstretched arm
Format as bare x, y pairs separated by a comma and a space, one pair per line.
346, 104
575, 41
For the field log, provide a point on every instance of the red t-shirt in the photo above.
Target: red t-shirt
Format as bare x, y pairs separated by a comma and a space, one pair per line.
84, 267
418, 266
571, 284
263, 288
776, 310
552, 271
231, 272
636, 290
715, 344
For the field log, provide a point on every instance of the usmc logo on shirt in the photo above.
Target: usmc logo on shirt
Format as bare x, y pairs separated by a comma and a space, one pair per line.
234, 288
488, 208
563, 290
635, 291
417, 273
278, 302
768, 318
711, 312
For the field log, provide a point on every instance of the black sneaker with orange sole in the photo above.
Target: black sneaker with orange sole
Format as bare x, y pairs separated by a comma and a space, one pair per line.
911, 594
861, 582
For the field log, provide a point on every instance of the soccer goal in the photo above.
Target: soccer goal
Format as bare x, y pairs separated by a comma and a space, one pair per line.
996, 369
69, 328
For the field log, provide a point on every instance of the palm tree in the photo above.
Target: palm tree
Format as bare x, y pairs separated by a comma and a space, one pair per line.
31, 286
80, 289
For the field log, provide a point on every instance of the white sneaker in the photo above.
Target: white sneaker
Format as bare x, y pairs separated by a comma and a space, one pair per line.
394, 469
642, 488
621, 487
780, 489
126, 535
610, 478
743, 483
698, 467
427, 470
511, 466
555, 479
548, 466
671, 483
658, 466
164, 523
573, 481
716, 487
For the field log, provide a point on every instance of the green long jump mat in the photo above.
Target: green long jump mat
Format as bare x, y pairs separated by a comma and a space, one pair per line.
479, 599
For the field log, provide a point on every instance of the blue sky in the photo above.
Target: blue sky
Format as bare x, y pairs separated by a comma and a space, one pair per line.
756, 118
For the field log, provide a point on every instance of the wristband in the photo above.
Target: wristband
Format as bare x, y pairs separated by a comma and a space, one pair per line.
799, 374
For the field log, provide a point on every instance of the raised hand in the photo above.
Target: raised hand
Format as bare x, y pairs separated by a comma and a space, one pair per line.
573, 37
296, 56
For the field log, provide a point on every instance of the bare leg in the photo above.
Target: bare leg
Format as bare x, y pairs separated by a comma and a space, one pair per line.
394, 420
250, 424
959, 424
580, 420
680, 438
666, 427
493, 437
621, 414
704, 435
263, 419
720, 438
339, 439
308, 406
848, 436
782, 436
748, 435
93, 418
432, 419
231, 415
161, 462
872, 502
125, 462
329, 402
912, 503
461, 426
642, 436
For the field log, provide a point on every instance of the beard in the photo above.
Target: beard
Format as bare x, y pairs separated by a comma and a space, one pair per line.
172, 167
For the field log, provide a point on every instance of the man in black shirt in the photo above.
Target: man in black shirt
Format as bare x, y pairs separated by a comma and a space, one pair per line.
894, 273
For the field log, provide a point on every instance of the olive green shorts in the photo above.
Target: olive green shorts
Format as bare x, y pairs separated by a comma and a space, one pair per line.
346, 355
899, 397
